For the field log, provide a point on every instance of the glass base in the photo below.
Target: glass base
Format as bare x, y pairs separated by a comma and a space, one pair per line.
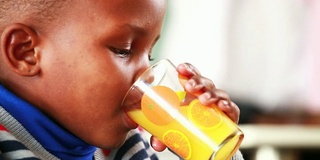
228, 147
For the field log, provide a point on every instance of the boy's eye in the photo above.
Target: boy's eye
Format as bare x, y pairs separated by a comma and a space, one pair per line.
127, 52
122, 52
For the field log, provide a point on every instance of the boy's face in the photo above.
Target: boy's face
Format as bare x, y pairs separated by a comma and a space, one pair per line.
89, 61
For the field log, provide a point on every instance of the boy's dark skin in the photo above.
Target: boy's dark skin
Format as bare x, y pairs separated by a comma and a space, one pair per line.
77, 61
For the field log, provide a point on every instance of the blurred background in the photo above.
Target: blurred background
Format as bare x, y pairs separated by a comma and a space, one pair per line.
266, 55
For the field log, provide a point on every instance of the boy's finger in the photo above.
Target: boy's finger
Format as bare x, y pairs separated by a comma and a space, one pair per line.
157, 145
187, 69
230, 109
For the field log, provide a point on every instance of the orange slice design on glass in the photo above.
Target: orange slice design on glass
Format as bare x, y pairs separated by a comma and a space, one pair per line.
178, 142
204, 116
152, 109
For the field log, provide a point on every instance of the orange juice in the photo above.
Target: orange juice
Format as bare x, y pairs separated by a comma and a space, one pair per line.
193, 131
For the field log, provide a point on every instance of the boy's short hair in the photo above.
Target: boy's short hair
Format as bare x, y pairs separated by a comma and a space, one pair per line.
41, 12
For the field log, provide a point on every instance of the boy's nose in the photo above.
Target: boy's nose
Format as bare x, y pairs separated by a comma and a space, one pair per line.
141, 68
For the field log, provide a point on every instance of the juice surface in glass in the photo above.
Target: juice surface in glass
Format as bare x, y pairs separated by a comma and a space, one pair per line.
193, 131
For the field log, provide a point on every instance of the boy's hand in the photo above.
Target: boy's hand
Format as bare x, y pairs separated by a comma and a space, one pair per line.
207, 93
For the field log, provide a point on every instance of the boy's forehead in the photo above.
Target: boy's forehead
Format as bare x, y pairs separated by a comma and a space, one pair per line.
125, 13
137, 6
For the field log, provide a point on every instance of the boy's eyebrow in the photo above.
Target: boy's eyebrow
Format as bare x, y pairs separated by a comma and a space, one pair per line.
137, 28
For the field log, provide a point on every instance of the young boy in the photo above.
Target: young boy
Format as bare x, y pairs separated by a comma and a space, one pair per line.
65, 66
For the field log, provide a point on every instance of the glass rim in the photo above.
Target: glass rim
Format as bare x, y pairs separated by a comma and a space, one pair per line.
151, 67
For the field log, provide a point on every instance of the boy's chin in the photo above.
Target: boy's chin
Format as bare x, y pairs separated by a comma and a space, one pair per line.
109, 146
110, 143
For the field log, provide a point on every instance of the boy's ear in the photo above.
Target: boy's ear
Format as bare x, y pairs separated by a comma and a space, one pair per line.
18, 43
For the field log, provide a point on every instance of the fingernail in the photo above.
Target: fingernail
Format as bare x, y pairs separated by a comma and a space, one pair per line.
207, 95
154, 145
186, 66
224, 102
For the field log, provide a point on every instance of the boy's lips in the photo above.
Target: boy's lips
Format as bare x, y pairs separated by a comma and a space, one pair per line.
129, 122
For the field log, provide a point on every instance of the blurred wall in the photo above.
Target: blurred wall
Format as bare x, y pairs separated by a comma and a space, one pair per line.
195, 32
265, 60
253, 49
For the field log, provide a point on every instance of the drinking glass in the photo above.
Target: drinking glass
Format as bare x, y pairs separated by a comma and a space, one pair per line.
158, 102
